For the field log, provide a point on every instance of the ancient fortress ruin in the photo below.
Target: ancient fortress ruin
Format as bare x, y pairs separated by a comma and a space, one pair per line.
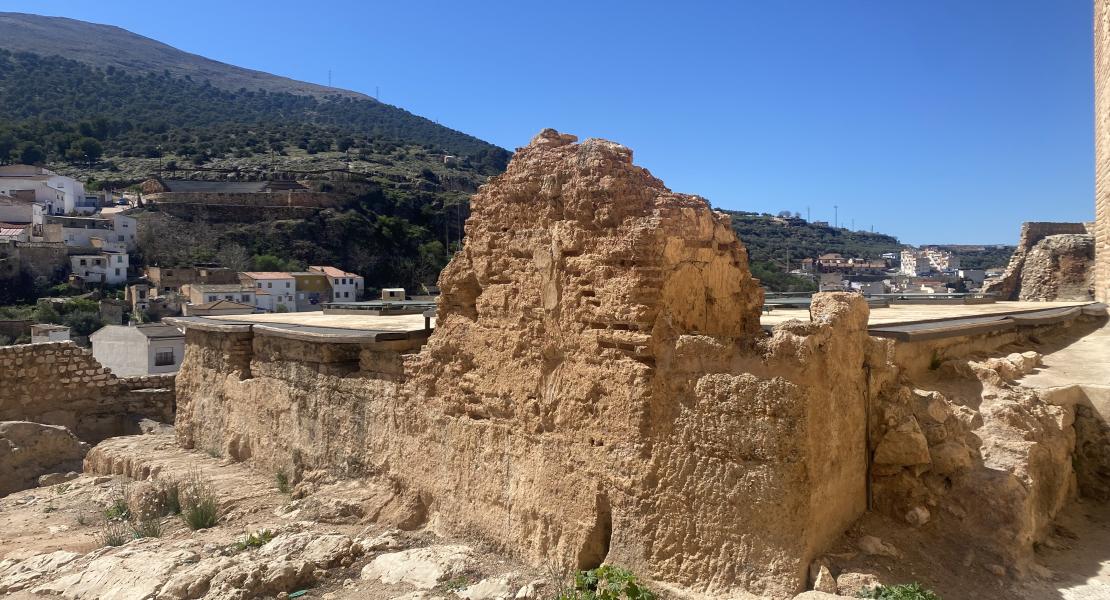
599, 389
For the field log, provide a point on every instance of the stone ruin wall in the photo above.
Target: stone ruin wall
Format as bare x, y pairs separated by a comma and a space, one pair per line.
598, 388
1102, 149
1052, 261
302, 199
59, 383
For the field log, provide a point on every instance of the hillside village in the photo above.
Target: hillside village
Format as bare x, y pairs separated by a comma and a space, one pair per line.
350, 353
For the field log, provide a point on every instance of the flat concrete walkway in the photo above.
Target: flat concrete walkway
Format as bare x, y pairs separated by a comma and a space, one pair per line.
1083, 362
910, 313
400, 323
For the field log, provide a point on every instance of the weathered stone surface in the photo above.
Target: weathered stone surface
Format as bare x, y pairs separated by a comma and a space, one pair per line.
58, 383
1053, 261
30, 450
903, 446
422, 568
491, 588
597, 386
825, 581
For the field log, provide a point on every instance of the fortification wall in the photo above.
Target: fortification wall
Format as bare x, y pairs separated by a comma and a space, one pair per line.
268, 199
59, 383
1047, 270
598, 388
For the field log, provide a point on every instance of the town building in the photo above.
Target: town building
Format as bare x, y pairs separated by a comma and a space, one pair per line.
313, 290
46, 332
274, 291
100, 267
139, 350
118, 232
914, 263
219, 307
201, 293
345, 287
14, 232
172, 279
974, 275
55, 194
168, 187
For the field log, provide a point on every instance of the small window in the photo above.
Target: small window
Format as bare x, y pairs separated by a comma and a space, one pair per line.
269, 284
163, 357
83, 263
119, 259
120, 238
117, 271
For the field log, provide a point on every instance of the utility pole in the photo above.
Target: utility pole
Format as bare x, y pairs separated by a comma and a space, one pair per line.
836, 216
807, 214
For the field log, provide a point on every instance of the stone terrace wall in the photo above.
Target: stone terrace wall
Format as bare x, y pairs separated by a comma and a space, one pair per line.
289, 198
1102, 149
59, 383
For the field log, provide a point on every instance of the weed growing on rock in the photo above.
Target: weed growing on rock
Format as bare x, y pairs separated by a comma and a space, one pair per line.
118, 510
456, 584
282, 482
148, 528
199, 507
606, 582
115, 533
61, 488
907, 591
214, 453
255, 540
172, 490
82, 520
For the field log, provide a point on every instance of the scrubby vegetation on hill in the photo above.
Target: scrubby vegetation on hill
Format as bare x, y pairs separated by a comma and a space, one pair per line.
56, 109
391, 241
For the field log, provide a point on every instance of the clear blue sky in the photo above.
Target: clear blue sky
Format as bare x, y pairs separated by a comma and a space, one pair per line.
939, 121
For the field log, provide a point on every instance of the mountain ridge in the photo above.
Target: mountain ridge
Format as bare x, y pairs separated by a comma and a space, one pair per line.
83, 41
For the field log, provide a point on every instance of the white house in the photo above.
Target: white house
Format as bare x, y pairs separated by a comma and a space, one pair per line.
117, 232
104, 266
60, 195
45, 332
140, 350
345, 287
274, 291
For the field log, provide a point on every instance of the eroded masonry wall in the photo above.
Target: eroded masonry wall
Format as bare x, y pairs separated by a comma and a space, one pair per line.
1102, 149
59, 383
598, 388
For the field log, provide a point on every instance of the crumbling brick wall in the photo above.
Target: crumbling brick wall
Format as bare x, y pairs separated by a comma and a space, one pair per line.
59, 383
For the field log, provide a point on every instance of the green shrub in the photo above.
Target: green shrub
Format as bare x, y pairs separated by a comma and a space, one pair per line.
606, 582
118, 510
255, 540
172, 490
906, 591
199, 507
282, 482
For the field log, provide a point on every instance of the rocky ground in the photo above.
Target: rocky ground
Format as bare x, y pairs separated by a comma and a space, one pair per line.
311, 539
